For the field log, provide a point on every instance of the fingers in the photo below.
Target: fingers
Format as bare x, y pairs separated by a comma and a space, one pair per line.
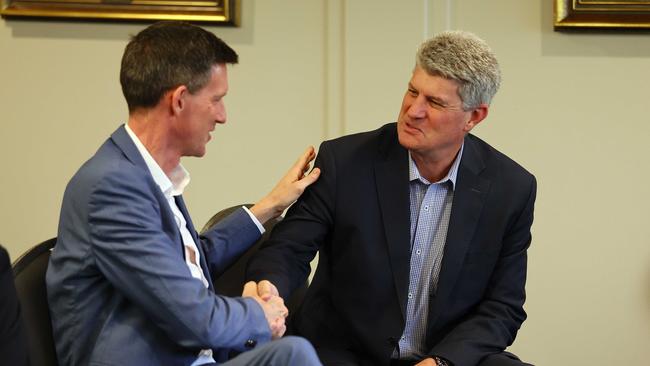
272, 305
288, 189
276, 313
309, 179
266, 290
278, 329
282, 330
302, 164
303, 181
250, 289
305, 170
277, 310
308, 155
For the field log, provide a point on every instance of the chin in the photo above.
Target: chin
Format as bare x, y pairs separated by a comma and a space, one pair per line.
197, 153
406, 140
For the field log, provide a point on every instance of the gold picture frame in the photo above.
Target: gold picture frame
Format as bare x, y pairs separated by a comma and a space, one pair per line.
601, 14
223, 12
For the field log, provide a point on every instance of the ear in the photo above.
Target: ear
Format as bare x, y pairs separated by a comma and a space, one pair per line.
477, 115
177, 99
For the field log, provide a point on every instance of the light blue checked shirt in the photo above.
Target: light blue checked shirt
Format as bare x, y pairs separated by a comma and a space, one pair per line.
430, 211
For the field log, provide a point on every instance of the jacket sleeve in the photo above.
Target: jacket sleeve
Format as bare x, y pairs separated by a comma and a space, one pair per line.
228, 240
139, 255
284, 259
492, 325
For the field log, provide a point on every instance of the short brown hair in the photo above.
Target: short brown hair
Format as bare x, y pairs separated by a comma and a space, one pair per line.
166, 55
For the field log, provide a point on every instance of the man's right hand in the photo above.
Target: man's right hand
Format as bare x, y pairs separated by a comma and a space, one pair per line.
273, 307
288, 189
266, 289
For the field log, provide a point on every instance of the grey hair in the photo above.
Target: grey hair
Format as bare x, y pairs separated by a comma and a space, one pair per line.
465, 58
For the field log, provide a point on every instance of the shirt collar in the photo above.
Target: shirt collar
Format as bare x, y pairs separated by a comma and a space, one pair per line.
178, 179
414, 173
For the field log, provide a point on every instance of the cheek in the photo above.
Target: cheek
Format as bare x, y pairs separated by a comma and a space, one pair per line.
404, 114
406, 103
443, 123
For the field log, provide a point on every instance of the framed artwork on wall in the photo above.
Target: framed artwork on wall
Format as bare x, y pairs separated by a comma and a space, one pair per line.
224, 12
603, 14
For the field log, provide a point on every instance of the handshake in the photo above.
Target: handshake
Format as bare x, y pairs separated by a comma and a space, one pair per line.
267, 295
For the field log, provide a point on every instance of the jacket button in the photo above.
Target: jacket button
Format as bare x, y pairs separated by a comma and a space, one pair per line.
250, 343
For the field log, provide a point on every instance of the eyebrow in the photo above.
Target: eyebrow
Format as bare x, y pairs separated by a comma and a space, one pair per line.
219, 96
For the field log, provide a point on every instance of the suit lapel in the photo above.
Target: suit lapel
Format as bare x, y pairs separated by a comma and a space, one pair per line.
123, 141
391, 177
469, 197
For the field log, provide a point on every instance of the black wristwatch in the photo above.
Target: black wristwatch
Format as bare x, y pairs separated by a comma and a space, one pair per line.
441, 361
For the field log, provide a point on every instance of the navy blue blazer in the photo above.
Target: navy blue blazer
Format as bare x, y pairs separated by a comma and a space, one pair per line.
118, 287
358, 215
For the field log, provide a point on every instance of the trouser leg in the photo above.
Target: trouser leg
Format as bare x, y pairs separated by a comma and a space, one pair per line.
288, 350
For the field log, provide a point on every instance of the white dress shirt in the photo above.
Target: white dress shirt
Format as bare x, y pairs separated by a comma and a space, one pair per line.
172, 186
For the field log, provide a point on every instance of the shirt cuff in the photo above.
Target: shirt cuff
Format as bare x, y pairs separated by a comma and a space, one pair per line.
257, 223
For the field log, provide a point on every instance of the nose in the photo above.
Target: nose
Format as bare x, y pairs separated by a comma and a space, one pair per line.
220, 116
417, 109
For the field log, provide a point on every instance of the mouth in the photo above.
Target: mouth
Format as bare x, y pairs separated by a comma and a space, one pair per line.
408, 128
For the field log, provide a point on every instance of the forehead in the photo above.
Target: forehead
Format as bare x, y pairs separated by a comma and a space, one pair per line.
218, 80
434, 85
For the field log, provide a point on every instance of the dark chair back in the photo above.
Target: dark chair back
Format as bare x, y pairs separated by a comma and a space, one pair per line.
13, 336
231, 281
29, 277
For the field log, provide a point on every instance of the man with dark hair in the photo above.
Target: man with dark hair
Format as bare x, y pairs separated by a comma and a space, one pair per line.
422, 229
130, 281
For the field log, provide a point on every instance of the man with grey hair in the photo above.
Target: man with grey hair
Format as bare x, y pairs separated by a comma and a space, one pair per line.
422, 229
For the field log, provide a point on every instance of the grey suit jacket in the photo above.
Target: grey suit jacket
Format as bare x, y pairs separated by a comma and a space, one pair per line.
118, 287
357, 215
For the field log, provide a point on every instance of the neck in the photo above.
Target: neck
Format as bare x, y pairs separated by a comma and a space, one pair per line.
434, 167
151, 131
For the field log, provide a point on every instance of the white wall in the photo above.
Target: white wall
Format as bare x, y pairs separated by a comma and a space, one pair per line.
572, 108
60, 99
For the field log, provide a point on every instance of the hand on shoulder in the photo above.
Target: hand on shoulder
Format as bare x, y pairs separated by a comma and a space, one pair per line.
288, 189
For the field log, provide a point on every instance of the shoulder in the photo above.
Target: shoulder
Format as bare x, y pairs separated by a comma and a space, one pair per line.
508, 178
374, 136
511, 184
358, 144
108, 170
494, 160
